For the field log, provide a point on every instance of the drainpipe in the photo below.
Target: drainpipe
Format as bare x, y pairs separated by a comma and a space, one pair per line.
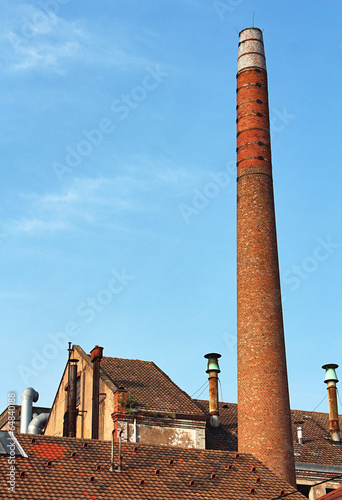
119, 469
331, 380
111, 468
213, 370
135, 430
72, 415
27, 398
38, 423
95, 357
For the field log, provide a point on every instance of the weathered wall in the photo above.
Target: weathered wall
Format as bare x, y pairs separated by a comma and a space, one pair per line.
83, 421
183, 434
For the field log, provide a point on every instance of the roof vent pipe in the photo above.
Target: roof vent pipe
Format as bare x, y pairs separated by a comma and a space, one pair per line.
331, 380
299, 424
27, 398
38, 423
95, 357
213, 370
300, 434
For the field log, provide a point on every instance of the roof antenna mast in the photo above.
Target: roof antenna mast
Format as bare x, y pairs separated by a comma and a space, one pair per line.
253, 19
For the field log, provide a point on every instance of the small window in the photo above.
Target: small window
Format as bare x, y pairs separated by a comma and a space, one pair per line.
9, 445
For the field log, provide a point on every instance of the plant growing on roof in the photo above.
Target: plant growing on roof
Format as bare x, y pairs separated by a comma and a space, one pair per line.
127, 400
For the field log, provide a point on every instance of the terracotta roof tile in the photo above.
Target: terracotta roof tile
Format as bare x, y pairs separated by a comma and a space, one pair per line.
205, 470
150, 387
333, 495
317, 447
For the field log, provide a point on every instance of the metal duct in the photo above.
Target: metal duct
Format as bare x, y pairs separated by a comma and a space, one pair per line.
331, 380
28, 397
95, 358
213, 370
72, 411
38, 423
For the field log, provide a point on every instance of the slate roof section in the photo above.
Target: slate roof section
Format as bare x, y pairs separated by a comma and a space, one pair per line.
317, 447
150, 387
69, 468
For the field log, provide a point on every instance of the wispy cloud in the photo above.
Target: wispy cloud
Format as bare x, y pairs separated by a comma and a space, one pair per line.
33, 39
96, 201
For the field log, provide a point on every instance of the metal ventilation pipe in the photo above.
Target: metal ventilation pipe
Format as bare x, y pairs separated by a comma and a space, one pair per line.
27, 398
95, 357
331, 380
72, 411
300, 434
299, 424
213, 370
38, 423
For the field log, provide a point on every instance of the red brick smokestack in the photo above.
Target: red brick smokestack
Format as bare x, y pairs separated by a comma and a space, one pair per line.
263, 399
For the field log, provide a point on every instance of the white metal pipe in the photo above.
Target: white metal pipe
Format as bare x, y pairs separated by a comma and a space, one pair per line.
135, 430
300, 435
38, 423
111, 468
27, 398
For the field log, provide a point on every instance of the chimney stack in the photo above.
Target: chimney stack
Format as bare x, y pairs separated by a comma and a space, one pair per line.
331, 380
95, 357
213, 370
263, 400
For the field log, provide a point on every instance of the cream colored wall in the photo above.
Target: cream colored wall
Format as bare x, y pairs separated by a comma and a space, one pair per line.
54, 426
83, 422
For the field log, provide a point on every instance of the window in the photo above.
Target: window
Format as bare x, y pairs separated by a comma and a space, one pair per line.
304, 489
9, 445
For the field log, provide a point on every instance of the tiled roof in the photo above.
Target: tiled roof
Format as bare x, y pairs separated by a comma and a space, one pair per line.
317, 449
333, 495
69, 468
223, 437
150, 387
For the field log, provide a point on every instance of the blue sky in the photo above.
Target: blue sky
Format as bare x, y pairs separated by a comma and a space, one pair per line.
118, 185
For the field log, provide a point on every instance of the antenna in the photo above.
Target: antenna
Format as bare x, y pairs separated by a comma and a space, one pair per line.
253, 20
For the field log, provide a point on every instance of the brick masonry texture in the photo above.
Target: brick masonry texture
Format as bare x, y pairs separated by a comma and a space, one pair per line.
263, 399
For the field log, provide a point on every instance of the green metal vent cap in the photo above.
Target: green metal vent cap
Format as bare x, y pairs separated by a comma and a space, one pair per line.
330, 374
213, 365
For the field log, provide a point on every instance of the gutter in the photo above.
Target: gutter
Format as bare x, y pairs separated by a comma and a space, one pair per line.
328, 469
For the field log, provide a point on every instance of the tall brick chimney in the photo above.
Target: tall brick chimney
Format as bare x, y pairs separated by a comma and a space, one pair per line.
263, 399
